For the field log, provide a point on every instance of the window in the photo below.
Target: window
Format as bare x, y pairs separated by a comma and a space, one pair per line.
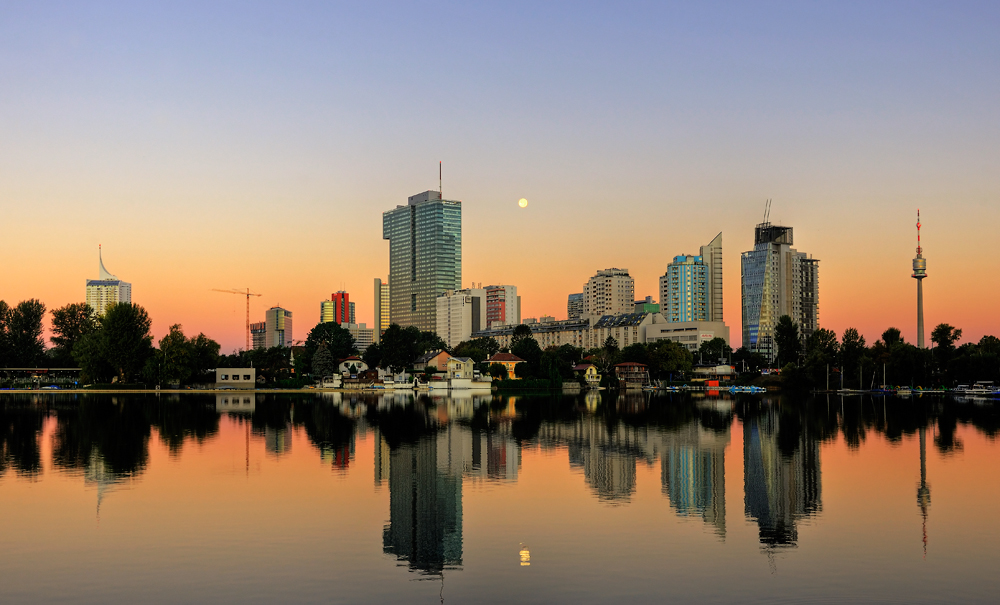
246, 377
225, 377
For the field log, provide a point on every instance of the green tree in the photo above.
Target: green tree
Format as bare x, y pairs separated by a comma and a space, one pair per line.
498, 371
336, 339
175, 356
5, 353
852, 352
528, 350
520, 332
323, 363
713, 350
119, 348
69, 325
204, 357
26, 347
747, 361
820, 358
668, 358
944, 336
787, 340
373, 355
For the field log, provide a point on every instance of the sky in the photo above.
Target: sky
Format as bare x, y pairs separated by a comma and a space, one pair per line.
234, 145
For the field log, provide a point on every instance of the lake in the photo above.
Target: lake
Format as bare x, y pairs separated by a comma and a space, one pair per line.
595, 498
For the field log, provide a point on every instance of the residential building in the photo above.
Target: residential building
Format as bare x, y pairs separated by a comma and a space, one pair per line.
461, 367
647, 305
574, 306
691, 289
777, 280
107, 290
632, 375
425, 257
437, 359
352, 366
363, 336
381, 308
626, 329
460, 313
257, 335
507, 360
589, 373
503, 306
278, 328
609, 292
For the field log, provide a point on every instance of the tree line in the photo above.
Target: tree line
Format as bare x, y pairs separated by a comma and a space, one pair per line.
890, 360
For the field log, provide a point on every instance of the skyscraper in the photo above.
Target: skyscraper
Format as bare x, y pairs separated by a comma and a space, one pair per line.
609, 292
691, 289
425, 257
278, 325
337, 309
381, 308
460, 314
777, 280
107, 289
919, 273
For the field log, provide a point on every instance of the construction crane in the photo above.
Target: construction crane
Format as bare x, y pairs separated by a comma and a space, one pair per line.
248, 294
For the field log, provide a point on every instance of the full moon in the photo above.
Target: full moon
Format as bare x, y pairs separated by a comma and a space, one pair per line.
523, 203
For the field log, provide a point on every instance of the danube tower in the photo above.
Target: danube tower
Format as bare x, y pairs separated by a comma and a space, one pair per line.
919, 273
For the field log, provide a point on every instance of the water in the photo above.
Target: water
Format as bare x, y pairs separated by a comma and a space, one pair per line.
330, 498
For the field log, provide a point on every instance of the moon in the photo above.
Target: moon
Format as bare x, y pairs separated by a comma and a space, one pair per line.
523, 203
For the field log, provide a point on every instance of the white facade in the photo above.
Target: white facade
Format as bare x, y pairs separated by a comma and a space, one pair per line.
278, 324
460, 313
610, 292
107, 290
363, 336
688, 333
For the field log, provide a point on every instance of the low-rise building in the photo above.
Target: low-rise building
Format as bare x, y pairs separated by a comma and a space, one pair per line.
235, 378
461, 367
352, 366
508, 360
632, 375
588, 372
437, 359
691, 334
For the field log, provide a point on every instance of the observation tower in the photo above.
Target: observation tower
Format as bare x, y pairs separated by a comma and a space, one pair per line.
919, 273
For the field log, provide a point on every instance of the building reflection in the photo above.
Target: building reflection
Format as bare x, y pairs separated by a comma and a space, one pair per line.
693, 473
781, 474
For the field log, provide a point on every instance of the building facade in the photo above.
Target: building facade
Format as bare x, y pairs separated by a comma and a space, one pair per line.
777, 280
425, 257
691, 289
381, 308
502, 306
257, 335
107, 290
278, 328
363, 335
646, 305
574, 306
609, 292
459, 314
338, 309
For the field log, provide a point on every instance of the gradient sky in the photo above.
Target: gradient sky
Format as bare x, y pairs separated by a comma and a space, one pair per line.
232, 145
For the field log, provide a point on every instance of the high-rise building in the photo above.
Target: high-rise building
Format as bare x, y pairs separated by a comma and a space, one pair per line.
338, 309
381, 308
257, 335
691, 289
363, 336
646, 305
107, 289
609, 292
777, 280
278, 328
460, 313
574, 306
502, 306
919, 273
425, 257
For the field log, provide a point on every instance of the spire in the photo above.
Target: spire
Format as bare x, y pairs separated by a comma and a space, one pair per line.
105, 274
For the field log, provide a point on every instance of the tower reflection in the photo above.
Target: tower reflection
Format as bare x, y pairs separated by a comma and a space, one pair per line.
781, 473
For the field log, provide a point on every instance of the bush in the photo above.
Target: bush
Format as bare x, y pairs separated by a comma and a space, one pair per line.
528, 384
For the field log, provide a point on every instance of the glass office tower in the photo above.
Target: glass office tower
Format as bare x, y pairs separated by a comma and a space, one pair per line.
425, 257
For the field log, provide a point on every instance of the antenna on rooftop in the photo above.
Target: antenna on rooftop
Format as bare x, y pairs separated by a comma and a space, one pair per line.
440, 188
767, 209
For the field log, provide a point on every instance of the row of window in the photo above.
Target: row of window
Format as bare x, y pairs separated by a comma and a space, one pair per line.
235, 377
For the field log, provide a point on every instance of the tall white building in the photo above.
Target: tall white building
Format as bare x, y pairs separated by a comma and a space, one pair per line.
610, 292
777, 280
460, 313
107, 290
362, 335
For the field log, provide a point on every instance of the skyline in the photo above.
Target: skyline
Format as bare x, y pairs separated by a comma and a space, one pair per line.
176, 137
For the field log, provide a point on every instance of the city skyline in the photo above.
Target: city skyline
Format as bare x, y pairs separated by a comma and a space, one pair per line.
849, 118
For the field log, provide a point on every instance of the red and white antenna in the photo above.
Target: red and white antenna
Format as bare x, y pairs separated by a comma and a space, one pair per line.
919, 249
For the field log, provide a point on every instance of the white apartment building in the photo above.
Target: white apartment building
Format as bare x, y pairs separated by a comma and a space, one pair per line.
609, 292
107, 290
460, 313
363, 336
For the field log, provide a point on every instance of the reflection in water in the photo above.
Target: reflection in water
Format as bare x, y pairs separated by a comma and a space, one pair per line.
781, 475
923, 490
693, 472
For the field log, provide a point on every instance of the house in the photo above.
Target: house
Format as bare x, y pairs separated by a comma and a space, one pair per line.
589, 373
235, 378
354, 362
437, 359
507, 360
460, 367
632, 375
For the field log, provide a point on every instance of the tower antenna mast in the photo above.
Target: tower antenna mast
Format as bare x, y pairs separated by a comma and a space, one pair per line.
440, 188
919, 273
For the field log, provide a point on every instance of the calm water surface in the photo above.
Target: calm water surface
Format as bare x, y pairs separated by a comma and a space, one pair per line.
331, 498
